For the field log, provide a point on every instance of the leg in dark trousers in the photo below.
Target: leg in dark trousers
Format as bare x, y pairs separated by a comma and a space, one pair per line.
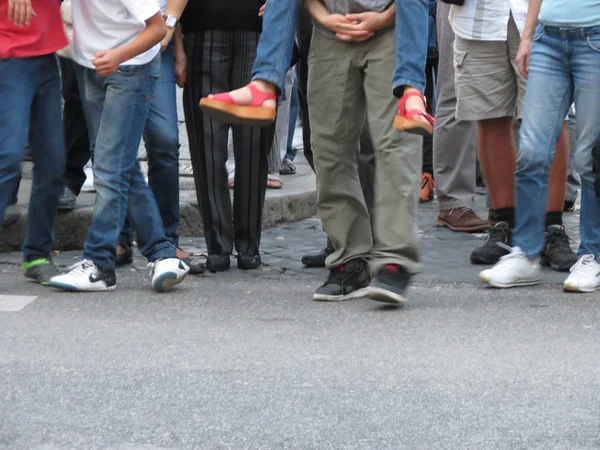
76, 133
431, 72
212, 67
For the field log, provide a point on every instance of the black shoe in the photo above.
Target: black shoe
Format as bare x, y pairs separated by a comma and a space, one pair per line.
196, 267
569, 206
67, 200
317, 259
557, 253
40, 270
11, 216
490, 252
248, 262
125, 258
389, 285
218, 263
347, 281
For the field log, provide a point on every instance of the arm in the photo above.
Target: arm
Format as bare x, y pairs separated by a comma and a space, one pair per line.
174, 8
374, 21
20, 12
107, 62
180, 58
335, 23
527, 37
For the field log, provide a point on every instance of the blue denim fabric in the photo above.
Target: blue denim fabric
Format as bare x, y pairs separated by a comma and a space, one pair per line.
116, 108
564, 66
276, 44
294, 108
161, 137
30, 93
432, 42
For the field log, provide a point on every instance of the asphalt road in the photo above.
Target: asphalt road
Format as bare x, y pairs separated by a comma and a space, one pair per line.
242, 361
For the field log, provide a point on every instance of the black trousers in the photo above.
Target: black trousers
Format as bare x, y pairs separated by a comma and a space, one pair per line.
431, 70
76, 134
219, 61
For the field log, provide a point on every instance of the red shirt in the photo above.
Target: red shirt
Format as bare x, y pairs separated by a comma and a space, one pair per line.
43, 36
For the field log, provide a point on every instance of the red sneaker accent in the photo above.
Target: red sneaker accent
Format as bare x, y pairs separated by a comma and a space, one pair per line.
341, 268
392, 268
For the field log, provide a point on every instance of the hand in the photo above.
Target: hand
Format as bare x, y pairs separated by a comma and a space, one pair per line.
261, 11
368, 21
523, 57
181, 69
338, 24
349, 38
20, 12
107, 62
165, 42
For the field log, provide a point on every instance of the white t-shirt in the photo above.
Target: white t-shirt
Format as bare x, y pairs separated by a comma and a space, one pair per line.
162, 4
487, 20
108, 24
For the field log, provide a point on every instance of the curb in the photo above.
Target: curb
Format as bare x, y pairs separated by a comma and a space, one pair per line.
71, 227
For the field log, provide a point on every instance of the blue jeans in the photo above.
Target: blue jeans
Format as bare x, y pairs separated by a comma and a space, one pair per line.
161, 137
30, 92
276, 44
564, 67
116, 108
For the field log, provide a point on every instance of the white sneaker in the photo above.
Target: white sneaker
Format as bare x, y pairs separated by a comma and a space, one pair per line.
168, 272
585, 275
85, 276
514, 269
88, 185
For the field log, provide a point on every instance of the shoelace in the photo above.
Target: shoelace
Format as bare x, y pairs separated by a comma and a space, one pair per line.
462, 211
339, 276
583, 264
82, 266
497, 231
559, 237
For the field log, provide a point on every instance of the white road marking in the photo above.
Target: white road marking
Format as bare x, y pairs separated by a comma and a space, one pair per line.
14, 303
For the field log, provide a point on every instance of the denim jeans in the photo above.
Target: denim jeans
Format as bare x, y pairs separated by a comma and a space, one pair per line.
30, 92
116, 108
161, 137
276, 44
564, 66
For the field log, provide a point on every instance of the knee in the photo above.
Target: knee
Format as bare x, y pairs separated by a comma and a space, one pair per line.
162, 144
583, 162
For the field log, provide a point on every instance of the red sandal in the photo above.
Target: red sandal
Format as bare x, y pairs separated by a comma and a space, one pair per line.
406, 120
222, 107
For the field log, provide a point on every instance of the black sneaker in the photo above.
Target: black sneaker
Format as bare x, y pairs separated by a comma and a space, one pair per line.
67, 200
490, 252
125, 258
317, 259
389, 285
40, 270
218, 263
557, 253
347, 281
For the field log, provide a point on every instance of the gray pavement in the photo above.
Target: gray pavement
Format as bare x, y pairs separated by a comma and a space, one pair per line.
246, 360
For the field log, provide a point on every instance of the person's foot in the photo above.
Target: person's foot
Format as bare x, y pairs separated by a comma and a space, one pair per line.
514, 269
345, 282
427, 188
11, 216
389, 285
196, 267
248, 262
462, 220
569, 206
253, 104
412, 116
124, 255
585, 276
317, 259
557, 252
85, 276
167, 273
40, 270
274, 181
67, 200
218, 263
490, 252
288, 167
88, 184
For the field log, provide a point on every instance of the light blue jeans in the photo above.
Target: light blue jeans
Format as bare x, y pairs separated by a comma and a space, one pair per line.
564, 67
276, 44
116, 108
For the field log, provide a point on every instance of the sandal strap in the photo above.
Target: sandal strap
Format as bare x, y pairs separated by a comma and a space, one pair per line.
258, 97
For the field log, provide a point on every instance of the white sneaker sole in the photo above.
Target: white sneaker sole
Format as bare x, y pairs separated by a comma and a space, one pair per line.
71, 288
522, 283
340, 298
384, 296
166, 280
577, 289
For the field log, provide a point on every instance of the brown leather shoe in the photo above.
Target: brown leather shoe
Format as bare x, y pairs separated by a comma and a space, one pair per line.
462, 219
427, 188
